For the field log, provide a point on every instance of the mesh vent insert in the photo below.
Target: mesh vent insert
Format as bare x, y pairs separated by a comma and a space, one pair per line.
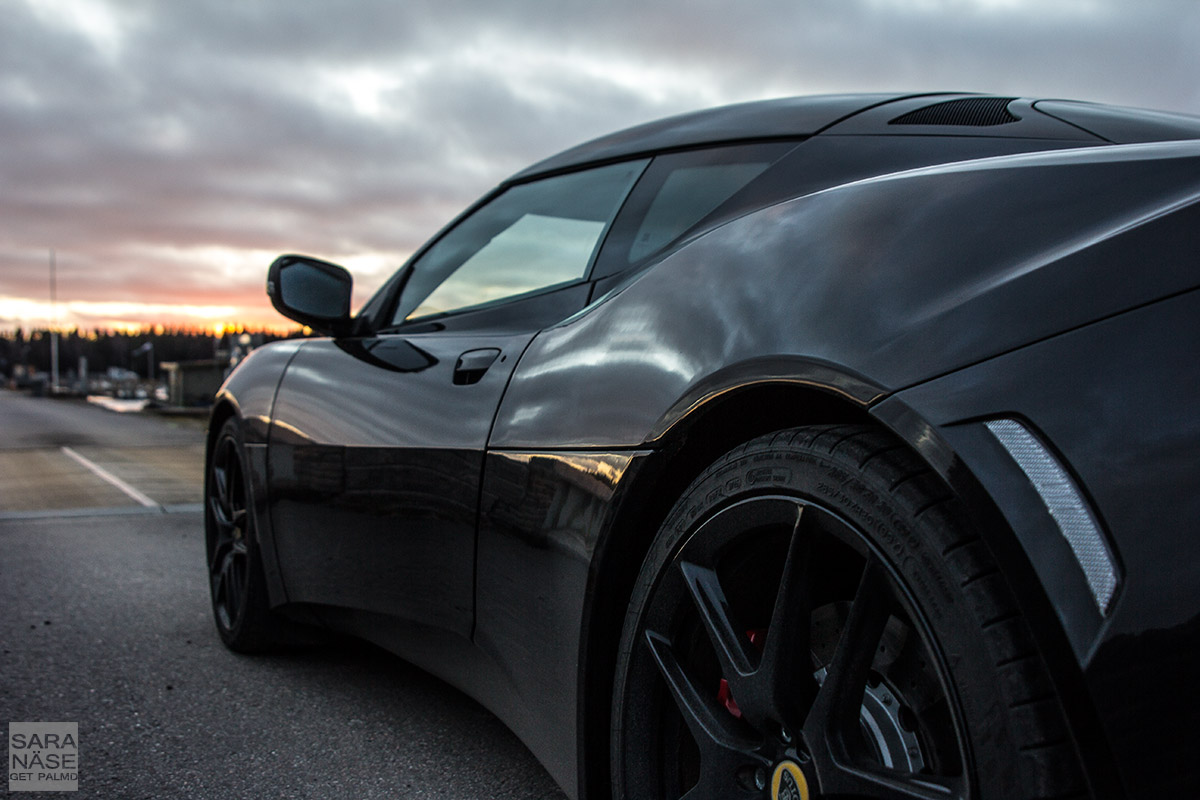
974, 111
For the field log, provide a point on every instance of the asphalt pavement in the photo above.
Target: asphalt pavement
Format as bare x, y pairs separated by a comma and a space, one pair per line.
43, 422
106, 623
67, 454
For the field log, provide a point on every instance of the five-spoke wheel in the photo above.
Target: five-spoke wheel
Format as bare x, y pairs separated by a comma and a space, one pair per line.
802, 628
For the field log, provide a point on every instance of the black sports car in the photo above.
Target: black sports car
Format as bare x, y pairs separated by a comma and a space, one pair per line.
825, 447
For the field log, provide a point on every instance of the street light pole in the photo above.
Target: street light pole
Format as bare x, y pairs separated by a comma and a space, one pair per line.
53, 326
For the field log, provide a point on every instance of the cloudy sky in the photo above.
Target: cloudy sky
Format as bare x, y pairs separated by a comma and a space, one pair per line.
167, 151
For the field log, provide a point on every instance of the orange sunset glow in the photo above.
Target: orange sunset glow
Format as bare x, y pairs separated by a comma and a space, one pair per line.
130, 317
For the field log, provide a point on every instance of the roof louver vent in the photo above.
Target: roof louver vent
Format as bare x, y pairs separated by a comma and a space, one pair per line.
975, 111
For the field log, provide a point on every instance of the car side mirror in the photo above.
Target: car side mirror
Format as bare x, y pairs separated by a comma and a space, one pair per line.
312, 292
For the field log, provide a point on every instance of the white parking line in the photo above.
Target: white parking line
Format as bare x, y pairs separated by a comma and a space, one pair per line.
102, 511
105, 475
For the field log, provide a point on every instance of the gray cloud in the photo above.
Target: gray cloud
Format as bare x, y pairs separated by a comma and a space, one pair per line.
192, 131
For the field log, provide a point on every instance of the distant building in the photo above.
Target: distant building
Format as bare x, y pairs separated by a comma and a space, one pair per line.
194, 383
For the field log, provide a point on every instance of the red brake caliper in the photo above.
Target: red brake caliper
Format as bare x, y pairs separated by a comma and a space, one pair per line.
757, 636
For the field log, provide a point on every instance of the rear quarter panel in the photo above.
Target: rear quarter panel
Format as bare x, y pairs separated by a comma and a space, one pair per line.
896, 279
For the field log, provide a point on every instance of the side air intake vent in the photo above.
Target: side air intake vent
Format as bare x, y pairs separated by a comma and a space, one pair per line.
975, 111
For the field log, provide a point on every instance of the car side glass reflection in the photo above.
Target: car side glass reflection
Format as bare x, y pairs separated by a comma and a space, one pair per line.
393, 354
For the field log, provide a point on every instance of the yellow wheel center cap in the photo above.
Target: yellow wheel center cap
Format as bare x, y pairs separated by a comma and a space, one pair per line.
788, 782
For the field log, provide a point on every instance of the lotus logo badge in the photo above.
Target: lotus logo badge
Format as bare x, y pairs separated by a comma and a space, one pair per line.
789, 782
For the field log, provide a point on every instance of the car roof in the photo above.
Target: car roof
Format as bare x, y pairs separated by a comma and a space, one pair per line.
1123, 125
790, 117
929, 114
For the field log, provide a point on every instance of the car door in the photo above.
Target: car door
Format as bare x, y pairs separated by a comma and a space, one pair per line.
377, 441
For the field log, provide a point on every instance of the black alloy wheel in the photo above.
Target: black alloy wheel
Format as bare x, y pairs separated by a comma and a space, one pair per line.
814, 620
239, 593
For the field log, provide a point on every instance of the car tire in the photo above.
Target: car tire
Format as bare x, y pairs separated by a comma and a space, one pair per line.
236, 579
816, 618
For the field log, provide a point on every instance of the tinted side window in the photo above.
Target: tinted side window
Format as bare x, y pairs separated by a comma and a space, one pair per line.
531, 238
686, 196
679, 191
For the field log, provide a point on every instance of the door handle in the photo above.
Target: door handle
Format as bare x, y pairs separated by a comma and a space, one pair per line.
472, 364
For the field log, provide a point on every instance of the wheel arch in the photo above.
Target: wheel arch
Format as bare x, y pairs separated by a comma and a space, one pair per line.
719, 414
707, 424
223, 409
227, 407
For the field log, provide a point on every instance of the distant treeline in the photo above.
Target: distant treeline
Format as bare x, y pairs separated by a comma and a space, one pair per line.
104, 349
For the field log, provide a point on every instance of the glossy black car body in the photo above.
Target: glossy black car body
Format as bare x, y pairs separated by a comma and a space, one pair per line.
476, 490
